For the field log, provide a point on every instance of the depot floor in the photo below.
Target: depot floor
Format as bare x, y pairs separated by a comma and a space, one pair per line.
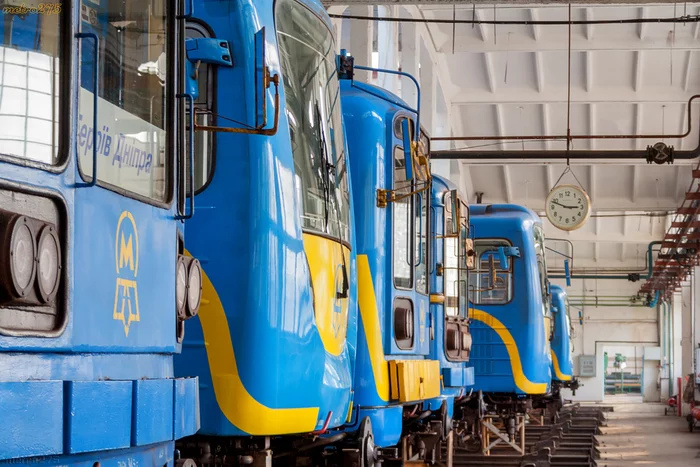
640, 434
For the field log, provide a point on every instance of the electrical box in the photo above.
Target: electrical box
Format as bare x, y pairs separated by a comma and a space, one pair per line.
586, 365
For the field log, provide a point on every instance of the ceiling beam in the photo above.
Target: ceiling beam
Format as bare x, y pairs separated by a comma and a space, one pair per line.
588, 15
638, 67
506, 182
638, 119
633, 196
545, 128
500, 125
536, 29
488, 66
539, 71
688, 67
642, 27
591, 129
589, 71
483, 32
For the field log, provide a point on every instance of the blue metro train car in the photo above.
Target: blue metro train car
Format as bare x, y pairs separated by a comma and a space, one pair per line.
94, 287
396, 378
275, 341
509, 299
451, 260
562, 342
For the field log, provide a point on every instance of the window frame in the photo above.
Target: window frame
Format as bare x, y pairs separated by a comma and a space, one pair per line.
173, 127
66, 135
447, 212
511, 270
425, 232
211, 100
398, 148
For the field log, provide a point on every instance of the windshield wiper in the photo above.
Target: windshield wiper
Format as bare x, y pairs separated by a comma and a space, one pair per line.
328, 168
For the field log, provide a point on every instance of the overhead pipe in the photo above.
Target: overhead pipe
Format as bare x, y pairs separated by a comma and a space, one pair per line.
572, 137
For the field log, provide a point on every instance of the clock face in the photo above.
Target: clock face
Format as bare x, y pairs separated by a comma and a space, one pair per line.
568, 207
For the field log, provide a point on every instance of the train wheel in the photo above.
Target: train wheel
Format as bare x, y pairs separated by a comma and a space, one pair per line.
365, 438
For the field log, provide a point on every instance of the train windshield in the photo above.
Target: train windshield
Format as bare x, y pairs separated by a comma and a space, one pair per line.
312, 94
30, 62
541, 266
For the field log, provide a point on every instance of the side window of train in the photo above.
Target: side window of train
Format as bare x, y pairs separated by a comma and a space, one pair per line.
402, 225
481, 289
203, 140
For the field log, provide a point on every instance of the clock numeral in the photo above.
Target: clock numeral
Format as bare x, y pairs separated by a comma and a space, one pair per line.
552, 207
561, 195
556, 213
567, 220
568, 193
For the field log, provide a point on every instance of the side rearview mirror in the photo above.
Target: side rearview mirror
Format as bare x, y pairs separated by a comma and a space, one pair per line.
567, 273
407, 144
205, 50
507, 252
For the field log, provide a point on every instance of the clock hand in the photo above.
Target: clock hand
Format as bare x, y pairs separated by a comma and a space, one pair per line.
563, 205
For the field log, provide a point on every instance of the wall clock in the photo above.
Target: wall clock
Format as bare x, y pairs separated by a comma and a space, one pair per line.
568, 207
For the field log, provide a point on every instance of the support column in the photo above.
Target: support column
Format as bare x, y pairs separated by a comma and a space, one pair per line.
687, 337
676, 336
357, 39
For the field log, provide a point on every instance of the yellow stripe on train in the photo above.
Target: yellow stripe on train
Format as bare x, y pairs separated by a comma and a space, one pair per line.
557, 371
236, 403
521, 381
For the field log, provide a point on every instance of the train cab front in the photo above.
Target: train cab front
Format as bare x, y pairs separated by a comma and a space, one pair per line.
562, 343
511, 321
398, 407
451, 340
94, 284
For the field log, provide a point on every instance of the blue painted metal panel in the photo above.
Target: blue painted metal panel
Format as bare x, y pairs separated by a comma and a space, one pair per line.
186, 413
97, 415
44, 435
152, 419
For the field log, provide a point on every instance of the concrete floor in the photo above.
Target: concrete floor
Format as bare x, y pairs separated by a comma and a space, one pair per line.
640, 434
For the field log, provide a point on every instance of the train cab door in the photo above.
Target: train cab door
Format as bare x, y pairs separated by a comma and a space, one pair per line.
408, 235
125, 139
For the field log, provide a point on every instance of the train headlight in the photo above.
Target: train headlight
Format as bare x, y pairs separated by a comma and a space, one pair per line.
181, 287
22, 256
194, 288
49, 264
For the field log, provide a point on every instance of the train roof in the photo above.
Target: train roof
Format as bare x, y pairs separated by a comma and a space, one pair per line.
376, 93
504, 211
